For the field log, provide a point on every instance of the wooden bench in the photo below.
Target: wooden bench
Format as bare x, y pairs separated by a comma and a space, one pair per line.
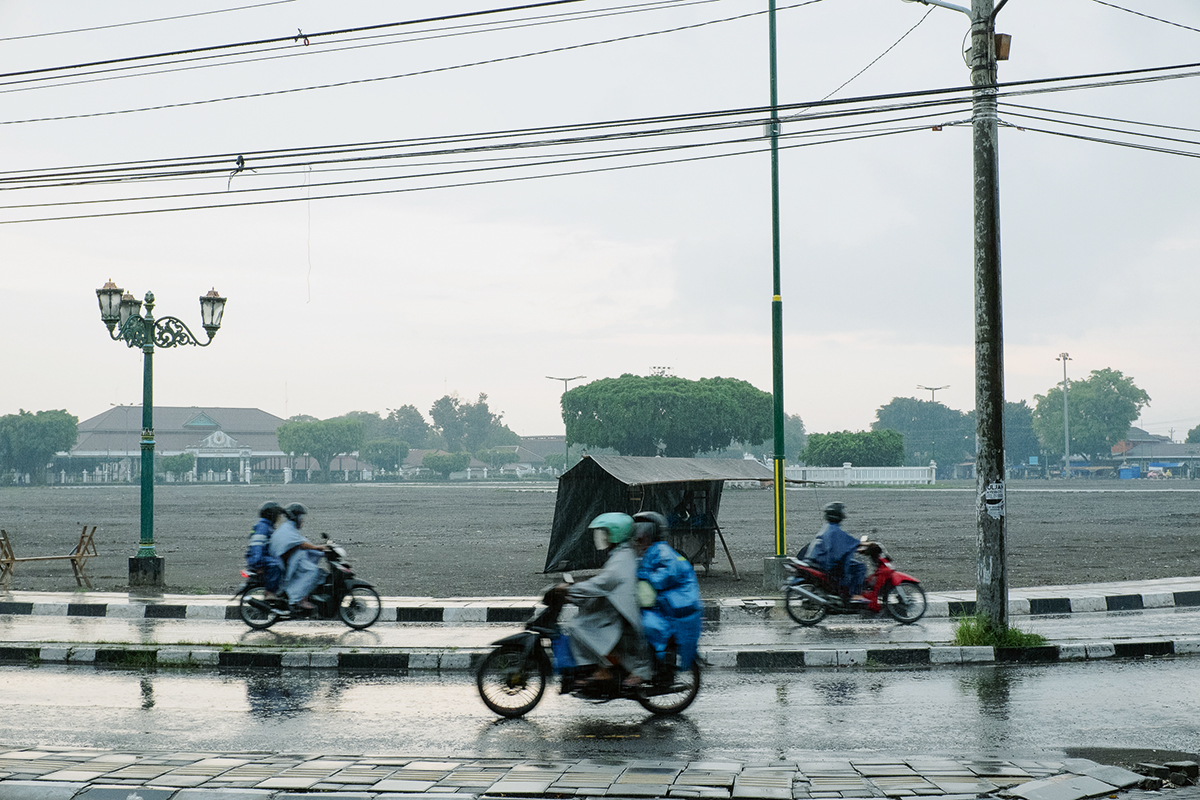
78, 557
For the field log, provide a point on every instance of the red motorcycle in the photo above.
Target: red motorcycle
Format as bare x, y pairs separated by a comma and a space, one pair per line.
810, 593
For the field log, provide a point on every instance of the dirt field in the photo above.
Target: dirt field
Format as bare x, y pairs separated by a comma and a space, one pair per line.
447, 540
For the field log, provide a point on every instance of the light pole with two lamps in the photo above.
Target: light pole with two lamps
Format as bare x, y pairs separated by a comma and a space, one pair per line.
566, 444
126, 323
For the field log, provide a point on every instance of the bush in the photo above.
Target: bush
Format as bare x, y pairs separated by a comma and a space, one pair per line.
977, 631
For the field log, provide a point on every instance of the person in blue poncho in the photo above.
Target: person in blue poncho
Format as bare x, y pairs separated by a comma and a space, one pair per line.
258, 557
835, 551
300, 557
670, 596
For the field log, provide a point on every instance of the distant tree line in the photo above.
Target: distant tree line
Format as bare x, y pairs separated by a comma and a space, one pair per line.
29, 441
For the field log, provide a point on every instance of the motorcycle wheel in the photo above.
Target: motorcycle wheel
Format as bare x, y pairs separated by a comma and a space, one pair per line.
255, 610
801, 609
510, 682
679, 695
905, 602
360, 607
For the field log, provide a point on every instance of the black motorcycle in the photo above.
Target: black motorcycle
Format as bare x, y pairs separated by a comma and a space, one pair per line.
512, 678
339, 595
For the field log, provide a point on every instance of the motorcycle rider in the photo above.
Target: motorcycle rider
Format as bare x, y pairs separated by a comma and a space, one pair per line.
835, 551
608, 628
258, 558
676, 609
299, 556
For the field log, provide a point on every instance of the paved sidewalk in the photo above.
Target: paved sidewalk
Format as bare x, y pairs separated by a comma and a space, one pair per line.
97, 774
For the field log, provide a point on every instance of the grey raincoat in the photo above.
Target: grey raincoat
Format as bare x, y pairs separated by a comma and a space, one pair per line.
609, 616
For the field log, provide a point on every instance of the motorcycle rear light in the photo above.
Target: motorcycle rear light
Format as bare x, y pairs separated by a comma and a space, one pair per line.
245, 574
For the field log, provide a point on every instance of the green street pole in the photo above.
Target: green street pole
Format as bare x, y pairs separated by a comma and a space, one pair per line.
146, 546
776, 303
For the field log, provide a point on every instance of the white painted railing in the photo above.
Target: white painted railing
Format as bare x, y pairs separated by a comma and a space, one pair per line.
848, 474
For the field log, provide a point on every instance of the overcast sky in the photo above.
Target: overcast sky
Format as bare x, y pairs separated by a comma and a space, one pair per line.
372, 302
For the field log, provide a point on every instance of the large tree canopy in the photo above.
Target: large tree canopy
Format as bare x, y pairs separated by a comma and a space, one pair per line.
931, 431
406, 424
384, 453
884, 448
29, 441
663, 415
470, 426
445, 463
1100, 408
1193, 436
321, 441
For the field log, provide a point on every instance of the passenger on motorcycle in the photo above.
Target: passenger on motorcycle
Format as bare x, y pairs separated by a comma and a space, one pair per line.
299, 556
834, 551
608, 628
258, 558
674, 609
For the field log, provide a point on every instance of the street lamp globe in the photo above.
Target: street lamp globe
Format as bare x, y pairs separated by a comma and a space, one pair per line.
212, 307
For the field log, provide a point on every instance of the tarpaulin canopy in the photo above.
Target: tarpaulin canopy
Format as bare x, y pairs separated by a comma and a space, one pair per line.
630, 484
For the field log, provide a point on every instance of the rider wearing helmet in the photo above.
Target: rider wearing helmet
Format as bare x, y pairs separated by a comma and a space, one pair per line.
258, 559
834, 551
299, 557
608, 628
672, 607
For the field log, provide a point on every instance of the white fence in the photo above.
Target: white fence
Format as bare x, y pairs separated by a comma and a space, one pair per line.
848, 474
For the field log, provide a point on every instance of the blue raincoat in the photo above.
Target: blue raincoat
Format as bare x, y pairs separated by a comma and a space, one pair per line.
258, 558
677, 610
834, 551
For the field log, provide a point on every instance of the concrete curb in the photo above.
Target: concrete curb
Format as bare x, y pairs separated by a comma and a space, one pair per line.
471, 611
467, 659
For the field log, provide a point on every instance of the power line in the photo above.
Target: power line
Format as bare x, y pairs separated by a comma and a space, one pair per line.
141, 21
430, 71
1147, 16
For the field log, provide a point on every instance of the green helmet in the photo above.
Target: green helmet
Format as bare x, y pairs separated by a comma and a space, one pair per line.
619, 526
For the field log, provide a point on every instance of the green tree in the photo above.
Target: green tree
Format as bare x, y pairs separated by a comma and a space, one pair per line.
1020, 440
931, 430
647, 416
445, 463
374, 427
497, 457
556, 461
384, 453
470, 426
406, 424
1101, 409
177, 464
28, 441
1193, 436
448, 420
883, 448
321, 441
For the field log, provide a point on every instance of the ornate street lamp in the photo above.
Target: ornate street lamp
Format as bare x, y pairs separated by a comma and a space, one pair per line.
123, 316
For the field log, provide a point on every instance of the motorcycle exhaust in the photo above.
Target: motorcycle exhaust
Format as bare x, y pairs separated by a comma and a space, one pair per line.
809, 593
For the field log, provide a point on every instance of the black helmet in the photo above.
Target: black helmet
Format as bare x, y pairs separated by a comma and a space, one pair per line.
270, 511
657, 521
834, 512
295, 512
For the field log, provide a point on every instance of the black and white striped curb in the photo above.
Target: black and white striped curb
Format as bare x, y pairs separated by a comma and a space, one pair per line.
463, 659
402, 610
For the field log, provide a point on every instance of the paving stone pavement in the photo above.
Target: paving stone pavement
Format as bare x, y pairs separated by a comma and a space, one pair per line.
98, 774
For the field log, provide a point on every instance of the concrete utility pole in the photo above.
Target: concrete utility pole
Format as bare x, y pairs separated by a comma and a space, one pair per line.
771, 572
1063, 357
991, 572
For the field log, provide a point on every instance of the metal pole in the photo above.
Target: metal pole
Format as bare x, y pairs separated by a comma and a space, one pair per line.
1063, 357
991, 591
146, 548
776, 302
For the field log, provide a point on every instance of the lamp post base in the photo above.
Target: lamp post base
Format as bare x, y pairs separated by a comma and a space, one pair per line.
774, 574
146, 573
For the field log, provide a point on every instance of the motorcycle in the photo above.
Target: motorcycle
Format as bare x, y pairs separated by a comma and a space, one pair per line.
339, 595
810, 593
513, 677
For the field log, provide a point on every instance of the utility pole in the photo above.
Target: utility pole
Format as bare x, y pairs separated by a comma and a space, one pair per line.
776, 307
991, 572
1063, 357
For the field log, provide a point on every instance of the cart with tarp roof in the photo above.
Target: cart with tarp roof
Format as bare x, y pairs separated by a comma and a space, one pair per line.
687, 491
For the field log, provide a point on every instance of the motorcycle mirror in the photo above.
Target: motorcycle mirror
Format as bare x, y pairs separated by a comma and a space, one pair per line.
324, 536
568, 578
863, 538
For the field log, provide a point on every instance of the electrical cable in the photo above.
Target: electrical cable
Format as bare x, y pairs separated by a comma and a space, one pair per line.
1147, 16
141, 21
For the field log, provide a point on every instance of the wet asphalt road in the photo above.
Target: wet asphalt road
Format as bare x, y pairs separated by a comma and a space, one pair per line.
961, 711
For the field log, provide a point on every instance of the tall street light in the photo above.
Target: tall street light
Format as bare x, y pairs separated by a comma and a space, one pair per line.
1063, 357
126, 323
933, 390
566, 444
991, 572
772, 571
